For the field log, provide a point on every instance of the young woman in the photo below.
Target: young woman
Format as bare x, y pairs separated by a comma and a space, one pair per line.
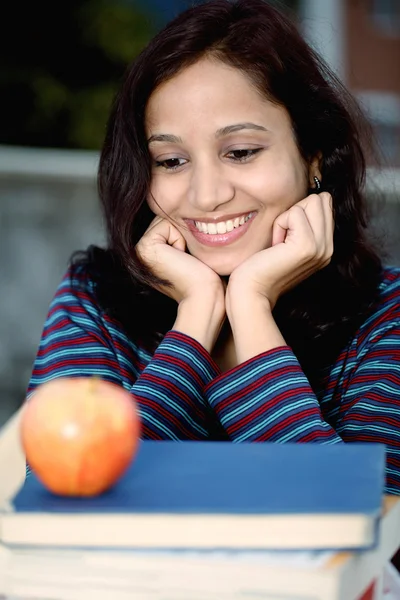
239, 297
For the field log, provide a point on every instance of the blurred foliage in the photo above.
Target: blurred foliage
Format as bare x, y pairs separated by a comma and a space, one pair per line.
61, 64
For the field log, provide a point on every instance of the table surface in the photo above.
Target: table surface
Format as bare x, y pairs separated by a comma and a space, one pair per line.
346, 575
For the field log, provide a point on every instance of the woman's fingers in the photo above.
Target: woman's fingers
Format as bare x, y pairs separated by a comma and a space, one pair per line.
302, 243
309, 224
163, 249
165, 233
162, 231
280, 229
293, 228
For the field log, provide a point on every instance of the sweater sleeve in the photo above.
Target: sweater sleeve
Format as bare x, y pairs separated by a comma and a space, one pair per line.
269, 398
371, 407
79, 341
170, 390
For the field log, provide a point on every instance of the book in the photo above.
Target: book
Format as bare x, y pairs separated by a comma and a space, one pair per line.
78, 574
149, 575
219, 495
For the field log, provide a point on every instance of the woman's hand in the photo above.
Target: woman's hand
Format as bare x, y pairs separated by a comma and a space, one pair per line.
196, 288
302, 243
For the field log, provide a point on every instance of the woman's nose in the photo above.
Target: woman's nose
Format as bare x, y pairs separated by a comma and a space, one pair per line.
210, 187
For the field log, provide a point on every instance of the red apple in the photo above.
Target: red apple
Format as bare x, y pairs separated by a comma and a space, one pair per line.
79, 435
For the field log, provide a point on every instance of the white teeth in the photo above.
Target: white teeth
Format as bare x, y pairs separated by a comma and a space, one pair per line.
222, 226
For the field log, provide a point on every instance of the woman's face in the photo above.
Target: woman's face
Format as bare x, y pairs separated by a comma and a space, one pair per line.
225, 163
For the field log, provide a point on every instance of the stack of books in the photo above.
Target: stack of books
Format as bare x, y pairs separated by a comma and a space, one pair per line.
197, 520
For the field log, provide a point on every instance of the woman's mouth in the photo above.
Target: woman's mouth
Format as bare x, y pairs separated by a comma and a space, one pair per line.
221, 233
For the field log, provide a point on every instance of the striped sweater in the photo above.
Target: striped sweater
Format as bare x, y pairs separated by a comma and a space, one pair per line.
182, 395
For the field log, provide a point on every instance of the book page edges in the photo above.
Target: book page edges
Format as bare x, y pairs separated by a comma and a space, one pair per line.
189, 531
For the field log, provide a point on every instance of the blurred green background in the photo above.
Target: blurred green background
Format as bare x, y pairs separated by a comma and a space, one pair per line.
62, 63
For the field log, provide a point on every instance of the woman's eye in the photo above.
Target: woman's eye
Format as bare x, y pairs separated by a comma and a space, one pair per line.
243, 154
170, 164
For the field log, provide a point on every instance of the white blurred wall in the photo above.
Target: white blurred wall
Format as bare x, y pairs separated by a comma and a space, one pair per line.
48, 209
323, 23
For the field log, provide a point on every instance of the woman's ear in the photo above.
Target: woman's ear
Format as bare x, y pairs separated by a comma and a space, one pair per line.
314, 170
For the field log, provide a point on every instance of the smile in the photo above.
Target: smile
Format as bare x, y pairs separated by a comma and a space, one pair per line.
222, 226
221, 233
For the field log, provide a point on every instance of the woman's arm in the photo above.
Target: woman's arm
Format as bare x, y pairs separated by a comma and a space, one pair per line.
268, 398
80, 341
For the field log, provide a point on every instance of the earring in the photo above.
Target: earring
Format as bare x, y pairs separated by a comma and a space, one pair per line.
317, 184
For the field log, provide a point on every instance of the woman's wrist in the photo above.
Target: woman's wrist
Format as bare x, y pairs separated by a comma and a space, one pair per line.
201, 317
253, 326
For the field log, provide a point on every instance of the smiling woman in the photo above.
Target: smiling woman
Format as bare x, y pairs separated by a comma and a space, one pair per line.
239, 297
225, 162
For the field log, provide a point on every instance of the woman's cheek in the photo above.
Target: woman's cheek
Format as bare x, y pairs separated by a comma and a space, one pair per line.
164, 199
155, 202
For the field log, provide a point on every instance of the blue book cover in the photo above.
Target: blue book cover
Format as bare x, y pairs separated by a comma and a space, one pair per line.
219, 494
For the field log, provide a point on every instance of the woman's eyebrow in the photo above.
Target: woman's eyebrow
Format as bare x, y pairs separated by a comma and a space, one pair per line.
238, 127
173, 139
164, 137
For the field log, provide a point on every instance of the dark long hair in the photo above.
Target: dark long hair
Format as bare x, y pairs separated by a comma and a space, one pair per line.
321, 314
